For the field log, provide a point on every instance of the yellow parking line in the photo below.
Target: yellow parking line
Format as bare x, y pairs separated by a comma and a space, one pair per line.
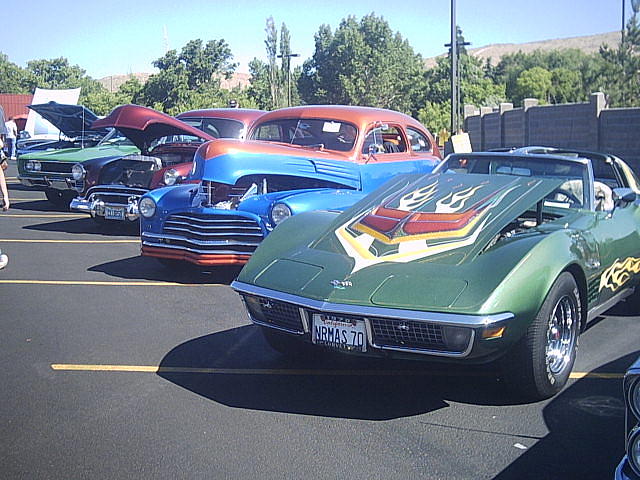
276, 371
18, 200
21, 240
108, 284
56, 215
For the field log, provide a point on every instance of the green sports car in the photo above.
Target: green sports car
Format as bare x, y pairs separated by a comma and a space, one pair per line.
493, 257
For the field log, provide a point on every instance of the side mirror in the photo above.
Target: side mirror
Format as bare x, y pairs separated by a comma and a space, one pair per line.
622, 196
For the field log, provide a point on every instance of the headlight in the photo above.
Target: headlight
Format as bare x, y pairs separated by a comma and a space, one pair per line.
171, 177
78, 172
633, 449
633, 399
147, 207
279, 213
33, 165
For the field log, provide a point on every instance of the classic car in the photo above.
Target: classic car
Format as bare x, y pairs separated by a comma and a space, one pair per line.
111, 187
629, 466
493, 257
72, 121
48, 165
295, 160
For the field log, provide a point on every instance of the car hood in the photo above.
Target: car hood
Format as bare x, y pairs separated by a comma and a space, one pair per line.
72, 120
236, 159
143, 125
407, 247
79, 154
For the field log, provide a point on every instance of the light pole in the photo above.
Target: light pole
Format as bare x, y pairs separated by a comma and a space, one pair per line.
288, 56
454, 69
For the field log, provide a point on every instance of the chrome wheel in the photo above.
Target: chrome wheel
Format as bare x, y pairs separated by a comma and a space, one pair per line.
561, 335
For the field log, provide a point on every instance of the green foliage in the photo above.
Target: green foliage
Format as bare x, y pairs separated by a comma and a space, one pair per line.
622, 64
534, 83
362, 63
272, 85
190, 79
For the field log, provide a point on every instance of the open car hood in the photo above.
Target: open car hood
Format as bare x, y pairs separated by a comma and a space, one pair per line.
143, 125
445, 217
72, 120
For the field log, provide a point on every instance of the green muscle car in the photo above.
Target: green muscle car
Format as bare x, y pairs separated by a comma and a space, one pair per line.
493, 257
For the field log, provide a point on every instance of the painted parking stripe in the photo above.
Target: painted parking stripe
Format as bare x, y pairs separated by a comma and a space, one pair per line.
52, 215
278, 371
108, 284
22, 240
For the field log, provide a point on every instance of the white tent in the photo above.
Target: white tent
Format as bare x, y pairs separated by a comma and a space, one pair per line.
38, 126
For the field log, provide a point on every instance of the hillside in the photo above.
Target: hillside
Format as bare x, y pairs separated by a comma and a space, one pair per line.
588, 44
113, 82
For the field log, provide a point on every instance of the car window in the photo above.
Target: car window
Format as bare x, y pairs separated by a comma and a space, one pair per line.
418, 141
217, 127
384, 139
314, 132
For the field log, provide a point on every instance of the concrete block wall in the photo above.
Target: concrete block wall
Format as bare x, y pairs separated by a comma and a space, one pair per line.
586, 126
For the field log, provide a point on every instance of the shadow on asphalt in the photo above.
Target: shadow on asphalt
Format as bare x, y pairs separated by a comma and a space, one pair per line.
585, 421
586, 431
145, 268
331, 385
36, 206
87, 226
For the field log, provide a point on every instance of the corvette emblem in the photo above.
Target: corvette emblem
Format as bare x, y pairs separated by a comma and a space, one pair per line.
341, 284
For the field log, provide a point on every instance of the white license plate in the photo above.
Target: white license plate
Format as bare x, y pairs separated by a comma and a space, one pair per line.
114, 213
339, 332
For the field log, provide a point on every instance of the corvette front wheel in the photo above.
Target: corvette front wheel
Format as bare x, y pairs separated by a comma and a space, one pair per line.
540, 363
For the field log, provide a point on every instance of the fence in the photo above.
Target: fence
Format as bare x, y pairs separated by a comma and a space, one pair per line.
586, 126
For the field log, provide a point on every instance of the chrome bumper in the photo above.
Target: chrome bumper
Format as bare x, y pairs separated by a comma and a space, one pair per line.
47, 182
473, 322
97, 207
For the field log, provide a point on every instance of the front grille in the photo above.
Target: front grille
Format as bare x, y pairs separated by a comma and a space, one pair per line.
407, 334
275, 312
386, 332
213, 233
114, 194
56, 167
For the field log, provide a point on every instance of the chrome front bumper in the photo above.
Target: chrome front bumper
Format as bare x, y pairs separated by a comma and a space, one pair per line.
305, 305
100, 199
48, 182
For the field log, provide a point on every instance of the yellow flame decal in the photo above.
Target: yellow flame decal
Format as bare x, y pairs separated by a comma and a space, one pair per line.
619, 273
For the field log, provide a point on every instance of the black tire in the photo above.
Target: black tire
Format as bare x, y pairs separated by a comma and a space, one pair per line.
60, 198
287, 344
539, 365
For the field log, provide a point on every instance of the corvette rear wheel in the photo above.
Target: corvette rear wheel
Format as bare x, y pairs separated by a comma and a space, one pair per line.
540, 364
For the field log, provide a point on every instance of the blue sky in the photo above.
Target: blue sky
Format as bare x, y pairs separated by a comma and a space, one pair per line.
124, 36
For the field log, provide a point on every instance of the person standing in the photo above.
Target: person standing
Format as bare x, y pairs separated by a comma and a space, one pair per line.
12, 137
5, 206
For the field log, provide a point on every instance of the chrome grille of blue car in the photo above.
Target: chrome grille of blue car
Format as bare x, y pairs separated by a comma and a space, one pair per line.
212, 233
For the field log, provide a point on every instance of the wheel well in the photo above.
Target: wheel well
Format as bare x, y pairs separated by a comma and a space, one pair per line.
581, 281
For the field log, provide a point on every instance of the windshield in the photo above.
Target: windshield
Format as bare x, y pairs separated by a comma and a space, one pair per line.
217, 127
310, 132
115, 138
571, 194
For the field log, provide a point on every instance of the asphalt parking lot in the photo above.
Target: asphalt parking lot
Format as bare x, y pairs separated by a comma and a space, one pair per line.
114, 367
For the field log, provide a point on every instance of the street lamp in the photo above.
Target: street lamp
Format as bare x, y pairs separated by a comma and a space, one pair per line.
288, 56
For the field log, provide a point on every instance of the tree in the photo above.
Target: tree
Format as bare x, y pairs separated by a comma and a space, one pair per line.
190, 79
362, 63
13, 79
534, 83
623, 63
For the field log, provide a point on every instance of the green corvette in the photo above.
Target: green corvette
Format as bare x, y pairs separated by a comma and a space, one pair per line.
493, 257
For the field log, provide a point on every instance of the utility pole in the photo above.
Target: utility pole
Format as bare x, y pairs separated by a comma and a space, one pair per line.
454, 69
288, 56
